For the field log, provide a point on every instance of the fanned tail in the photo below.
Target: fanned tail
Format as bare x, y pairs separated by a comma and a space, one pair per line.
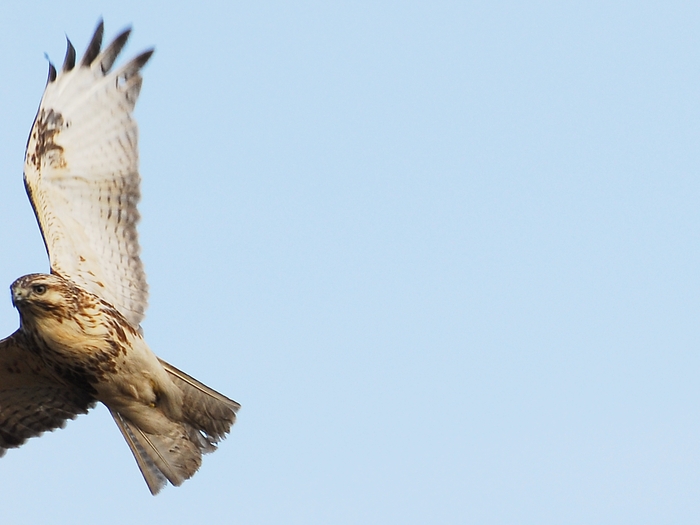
176, 455
205, 409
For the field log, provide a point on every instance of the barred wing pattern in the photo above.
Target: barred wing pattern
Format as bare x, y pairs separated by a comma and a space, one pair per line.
81, 174
32, 400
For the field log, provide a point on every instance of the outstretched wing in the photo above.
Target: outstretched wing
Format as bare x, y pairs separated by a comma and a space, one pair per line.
32, 400
81, 174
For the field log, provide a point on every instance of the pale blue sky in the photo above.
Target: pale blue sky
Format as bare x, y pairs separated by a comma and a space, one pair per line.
445, 254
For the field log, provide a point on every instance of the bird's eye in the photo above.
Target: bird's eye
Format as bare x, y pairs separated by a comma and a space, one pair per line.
40, 289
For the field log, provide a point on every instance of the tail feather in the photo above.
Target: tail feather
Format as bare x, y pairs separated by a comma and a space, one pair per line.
175, 454
204, 408
151, 473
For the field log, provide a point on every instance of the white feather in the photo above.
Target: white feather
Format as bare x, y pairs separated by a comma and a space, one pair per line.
81, 171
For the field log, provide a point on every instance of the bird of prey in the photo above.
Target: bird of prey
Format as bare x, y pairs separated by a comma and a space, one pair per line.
79, 339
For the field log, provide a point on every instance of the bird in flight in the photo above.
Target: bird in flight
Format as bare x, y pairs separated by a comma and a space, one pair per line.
79, 339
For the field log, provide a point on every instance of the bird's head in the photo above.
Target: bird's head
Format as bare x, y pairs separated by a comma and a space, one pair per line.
38, 292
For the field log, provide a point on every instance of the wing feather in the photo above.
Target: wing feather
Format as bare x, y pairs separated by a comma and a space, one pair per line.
81, 175
95, 44
69, 60
109, 55
32, 400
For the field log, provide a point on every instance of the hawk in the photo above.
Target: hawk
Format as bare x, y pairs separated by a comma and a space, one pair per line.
79, 339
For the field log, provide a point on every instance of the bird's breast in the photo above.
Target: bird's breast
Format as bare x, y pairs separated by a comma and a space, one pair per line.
78, 347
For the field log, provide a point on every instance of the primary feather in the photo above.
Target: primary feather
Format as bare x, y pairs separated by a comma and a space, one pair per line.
81, 175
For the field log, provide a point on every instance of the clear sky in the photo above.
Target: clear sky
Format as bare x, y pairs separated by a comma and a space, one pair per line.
445, 254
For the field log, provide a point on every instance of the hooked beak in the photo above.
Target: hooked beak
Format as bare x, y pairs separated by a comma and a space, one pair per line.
18, 295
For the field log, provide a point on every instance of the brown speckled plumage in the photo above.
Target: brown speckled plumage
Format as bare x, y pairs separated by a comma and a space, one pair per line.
79, 340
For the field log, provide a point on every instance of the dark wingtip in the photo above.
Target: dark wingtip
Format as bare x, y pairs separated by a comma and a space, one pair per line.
121, 39
52, 72
110, 54
69, 61
144, 57
93, 48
